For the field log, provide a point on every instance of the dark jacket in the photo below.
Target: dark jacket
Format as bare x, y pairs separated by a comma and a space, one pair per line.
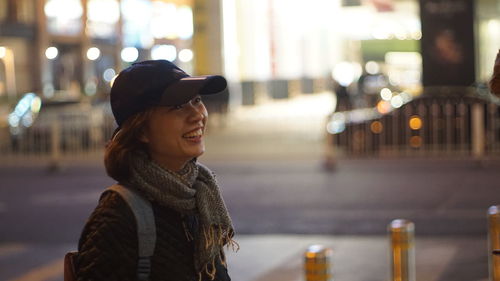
108, 247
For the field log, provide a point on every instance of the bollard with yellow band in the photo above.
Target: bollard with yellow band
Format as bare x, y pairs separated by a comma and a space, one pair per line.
494, 242
317, 263
402, 236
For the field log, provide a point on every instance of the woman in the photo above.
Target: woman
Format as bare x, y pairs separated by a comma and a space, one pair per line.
161, 122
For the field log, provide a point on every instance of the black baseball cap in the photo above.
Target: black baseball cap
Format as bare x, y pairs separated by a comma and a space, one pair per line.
155, 83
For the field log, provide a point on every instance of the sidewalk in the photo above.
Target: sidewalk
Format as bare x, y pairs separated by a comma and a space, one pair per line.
280, 258
283, 129
356, 258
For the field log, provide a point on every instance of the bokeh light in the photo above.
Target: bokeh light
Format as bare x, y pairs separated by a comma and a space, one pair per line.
93, 53
165, 52
51, 53
415, 123
384, 107
108, 74
130, 54
397, 101
416, 141
376, 127
386, 94
372, 67
186, 55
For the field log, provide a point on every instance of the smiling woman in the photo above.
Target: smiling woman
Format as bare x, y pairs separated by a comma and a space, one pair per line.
153, 153
174, 135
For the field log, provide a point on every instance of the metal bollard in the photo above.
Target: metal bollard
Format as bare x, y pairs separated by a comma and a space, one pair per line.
401, 235
478, 134
317, 263
494, 242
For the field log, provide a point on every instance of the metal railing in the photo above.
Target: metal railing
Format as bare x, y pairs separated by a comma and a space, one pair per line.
426, 126
80, 135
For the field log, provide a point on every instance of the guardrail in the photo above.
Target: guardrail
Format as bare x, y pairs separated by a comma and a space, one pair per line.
56, 136
467, 125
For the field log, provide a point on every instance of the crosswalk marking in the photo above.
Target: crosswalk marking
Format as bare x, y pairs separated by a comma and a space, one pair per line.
44, 272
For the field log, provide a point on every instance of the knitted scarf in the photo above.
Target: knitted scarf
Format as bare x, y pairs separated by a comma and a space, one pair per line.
192, 191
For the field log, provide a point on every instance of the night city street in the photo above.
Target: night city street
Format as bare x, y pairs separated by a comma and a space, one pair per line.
349, 140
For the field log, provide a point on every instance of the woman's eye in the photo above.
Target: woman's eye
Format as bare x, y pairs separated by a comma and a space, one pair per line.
178, 107
197, 100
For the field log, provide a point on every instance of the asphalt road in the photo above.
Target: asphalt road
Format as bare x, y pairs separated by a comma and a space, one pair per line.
442, 197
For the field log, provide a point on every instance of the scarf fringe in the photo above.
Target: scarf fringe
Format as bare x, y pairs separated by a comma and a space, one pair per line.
217, 237
187, 233
233, 244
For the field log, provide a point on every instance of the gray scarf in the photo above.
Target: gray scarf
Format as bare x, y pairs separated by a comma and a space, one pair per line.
194, 190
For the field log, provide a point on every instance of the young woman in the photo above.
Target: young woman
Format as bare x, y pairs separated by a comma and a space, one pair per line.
161, 123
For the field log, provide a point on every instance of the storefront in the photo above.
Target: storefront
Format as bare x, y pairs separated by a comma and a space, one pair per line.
268, 41
72, 49
94, 43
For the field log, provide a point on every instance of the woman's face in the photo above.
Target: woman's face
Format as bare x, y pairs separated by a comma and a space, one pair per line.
174, 134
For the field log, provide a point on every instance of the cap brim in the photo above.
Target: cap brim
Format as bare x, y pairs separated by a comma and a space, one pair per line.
187, 88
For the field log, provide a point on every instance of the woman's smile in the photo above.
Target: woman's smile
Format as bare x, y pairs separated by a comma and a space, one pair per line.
194, 136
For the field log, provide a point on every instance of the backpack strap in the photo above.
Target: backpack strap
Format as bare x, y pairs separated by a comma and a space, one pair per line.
146, 228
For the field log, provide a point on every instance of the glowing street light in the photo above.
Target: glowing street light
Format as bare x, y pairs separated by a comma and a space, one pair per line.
130, 54
93, 53
185, 55
51, 53
166, 52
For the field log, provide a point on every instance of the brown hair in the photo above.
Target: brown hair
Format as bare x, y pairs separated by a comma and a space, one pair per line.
118, 152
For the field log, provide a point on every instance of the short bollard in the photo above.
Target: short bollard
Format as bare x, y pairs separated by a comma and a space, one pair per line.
317, 263
494, 242
401, 235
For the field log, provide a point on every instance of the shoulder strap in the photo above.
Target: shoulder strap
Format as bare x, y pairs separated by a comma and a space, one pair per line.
146, 229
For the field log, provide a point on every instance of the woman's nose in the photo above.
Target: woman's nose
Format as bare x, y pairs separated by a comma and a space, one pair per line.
197, 113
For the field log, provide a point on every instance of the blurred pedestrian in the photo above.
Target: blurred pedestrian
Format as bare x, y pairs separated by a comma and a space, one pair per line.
495, 78
161, 124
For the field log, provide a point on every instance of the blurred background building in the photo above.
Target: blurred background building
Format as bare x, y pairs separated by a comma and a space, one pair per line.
70, 49
361, 54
